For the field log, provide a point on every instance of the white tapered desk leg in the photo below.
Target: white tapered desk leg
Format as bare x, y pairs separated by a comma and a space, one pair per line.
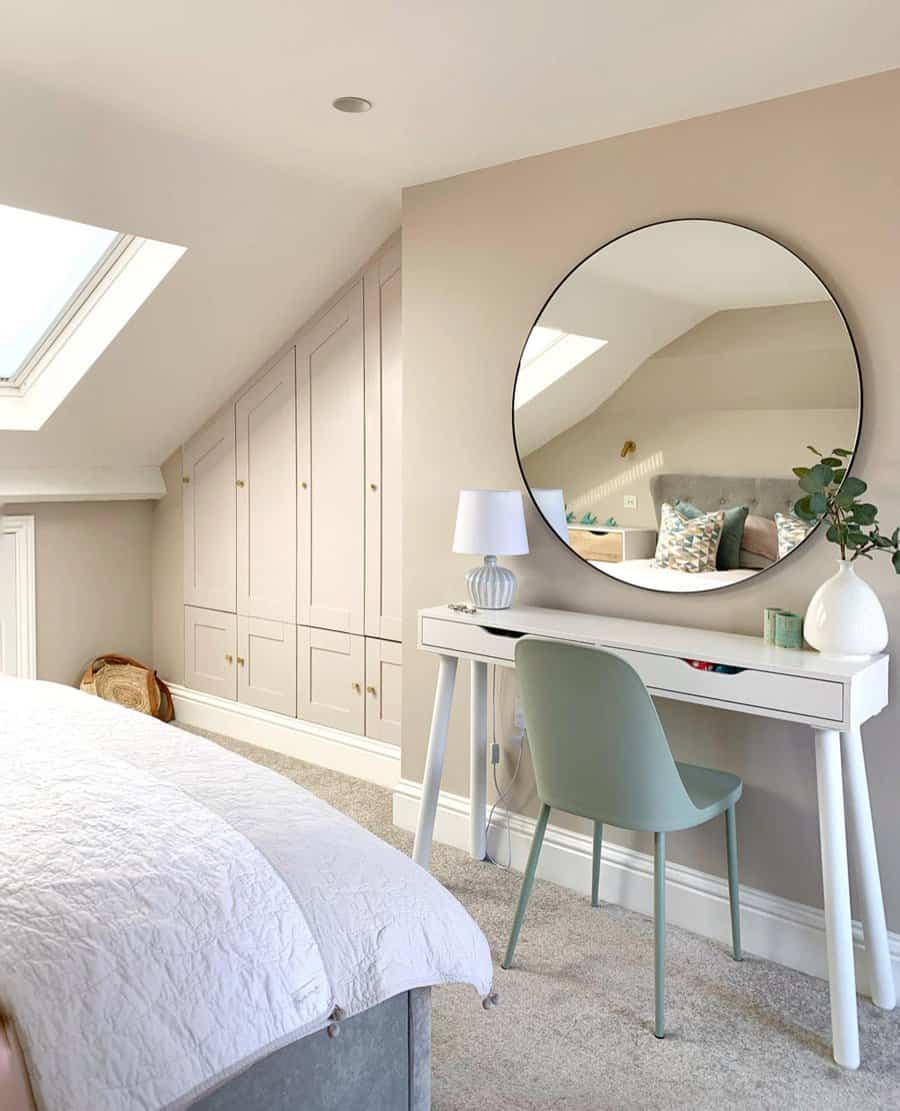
836, 884
862, 838
478, 761
434, 762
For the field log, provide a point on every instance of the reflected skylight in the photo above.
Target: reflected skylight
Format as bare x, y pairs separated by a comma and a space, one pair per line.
548, 355
44, 262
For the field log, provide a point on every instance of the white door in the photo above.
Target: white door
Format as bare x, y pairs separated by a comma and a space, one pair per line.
384, 689
331, 672
209, 515
383, 447
330, 468
266, 500
210, 647
267, 664
18, 622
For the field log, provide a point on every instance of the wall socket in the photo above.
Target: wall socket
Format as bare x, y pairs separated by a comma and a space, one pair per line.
631, 501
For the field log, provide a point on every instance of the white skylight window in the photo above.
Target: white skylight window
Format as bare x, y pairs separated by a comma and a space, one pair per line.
549, 354
66, 291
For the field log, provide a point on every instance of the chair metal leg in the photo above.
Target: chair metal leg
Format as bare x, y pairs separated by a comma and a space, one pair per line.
527, 882
659, 931
734, 891
595, 864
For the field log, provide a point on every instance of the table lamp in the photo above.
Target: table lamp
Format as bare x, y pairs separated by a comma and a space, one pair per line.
490, 523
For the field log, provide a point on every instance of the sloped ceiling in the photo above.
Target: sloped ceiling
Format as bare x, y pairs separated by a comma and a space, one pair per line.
209, 124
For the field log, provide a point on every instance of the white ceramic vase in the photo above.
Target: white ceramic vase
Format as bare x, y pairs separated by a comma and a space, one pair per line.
845, 617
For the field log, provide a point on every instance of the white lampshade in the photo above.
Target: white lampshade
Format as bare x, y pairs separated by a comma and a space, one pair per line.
553, 506
490, 522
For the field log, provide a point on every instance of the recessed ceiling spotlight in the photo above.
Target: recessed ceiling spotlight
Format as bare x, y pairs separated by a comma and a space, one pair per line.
352, 104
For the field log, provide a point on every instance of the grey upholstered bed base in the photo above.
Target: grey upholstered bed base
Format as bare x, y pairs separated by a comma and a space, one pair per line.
764, 496
381, 1061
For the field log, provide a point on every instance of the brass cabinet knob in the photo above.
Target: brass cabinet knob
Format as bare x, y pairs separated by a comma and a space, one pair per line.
240, 660
240, 482
302, 485
356, 687
371, 690
229, 659
185, 479
373, 485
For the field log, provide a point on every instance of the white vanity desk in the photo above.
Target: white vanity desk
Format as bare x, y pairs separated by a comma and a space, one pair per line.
833, 697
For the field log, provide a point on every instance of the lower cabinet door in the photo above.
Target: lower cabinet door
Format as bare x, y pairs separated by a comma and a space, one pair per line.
267, 664
384, 689
210, 648
330, 678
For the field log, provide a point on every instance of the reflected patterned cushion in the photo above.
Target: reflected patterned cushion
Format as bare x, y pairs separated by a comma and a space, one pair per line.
791, 530
688, 544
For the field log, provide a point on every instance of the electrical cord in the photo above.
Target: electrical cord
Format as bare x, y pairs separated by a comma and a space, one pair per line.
503, 794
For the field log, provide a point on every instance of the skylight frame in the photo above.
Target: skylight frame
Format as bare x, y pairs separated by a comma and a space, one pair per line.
82, 302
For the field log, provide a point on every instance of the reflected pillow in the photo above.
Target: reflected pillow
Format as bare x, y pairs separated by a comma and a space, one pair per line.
761, 537
753, 561
688, 543
728, 557
791, 530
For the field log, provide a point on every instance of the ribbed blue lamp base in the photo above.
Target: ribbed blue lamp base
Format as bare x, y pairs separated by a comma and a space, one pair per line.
491, 587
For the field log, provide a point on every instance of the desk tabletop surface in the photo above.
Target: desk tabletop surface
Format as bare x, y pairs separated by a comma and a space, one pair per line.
734, 649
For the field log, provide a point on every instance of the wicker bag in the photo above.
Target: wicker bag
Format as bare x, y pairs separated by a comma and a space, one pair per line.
129, 683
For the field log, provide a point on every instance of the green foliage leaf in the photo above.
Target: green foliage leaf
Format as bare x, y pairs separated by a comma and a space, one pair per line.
895, 559
864, 513
815, 450
817, 479
853, 486
839, 474
832, 461
834, 534
818, 504
800, 471
895, 536
803, 509
842, 451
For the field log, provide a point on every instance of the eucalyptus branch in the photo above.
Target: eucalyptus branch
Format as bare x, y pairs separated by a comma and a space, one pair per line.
830, 494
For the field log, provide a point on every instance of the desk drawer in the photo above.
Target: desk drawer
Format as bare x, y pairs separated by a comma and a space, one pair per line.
605, 547
474, 640
767, 690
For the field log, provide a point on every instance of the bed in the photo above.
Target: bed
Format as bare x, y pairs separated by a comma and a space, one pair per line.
764, 496
182, 928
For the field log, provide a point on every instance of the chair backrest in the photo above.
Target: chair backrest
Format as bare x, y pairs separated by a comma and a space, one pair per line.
598, 747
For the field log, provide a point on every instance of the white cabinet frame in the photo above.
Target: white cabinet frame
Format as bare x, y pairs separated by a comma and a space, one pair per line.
21, 528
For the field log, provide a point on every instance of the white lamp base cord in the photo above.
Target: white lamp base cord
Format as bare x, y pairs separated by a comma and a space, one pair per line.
491, 587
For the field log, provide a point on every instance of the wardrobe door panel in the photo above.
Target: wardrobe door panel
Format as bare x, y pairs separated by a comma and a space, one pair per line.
210, 651
266, 500
267, 664
383, 447
208, 472
330, 468
384, 689
330, 677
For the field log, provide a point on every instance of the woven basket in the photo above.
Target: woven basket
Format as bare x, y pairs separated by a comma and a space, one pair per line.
129, 683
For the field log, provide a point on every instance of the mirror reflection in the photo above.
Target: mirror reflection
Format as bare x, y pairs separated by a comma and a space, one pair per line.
667, 391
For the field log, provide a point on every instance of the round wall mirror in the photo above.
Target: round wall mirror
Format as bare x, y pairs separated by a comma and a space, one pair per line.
665, 393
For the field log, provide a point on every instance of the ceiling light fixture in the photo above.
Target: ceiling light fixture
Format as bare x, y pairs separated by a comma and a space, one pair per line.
352, 104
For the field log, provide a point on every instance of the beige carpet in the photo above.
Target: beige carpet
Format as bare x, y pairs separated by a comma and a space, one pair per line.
573, 1028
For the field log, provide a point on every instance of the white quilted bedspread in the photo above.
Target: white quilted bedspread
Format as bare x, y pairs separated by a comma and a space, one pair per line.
169, 911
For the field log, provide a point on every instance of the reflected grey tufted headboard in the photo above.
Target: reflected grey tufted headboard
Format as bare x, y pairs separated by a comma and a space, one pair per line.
764, 496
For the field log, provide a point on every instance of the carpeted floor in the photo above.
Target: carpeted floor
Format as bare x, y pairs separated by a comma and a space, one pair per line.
573, 1028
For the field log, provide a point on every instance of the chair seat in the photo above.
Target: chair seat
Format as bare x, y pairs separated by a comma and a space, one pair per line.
711, 791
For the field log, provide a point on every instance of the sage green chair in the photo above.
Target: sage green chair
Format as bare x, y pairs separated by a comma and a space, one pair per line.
599, 751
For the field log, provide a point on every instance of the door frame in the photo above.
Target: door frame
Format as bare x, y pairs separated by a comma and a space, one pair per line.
22, 529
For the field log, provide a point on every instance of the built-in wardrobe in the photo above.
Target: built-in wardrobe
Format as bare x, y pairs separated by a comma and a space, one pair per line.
292, 524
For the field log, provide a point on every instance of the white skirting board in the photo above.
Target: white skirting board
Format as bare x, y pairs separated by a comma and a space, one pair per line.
362, 757
775, 928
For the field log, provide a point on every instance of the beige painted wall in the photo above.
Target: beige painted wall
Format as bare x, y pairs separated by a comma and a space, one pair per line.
819, 172
742, 393
92, 572
168, 575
